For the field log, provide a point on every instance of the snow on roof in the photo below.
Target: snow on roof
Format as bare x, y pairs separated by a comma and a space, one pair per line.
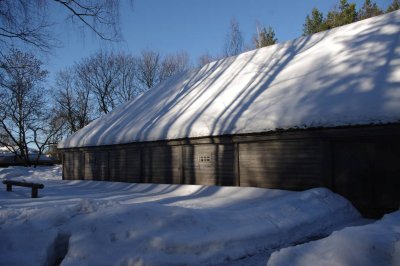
346, 76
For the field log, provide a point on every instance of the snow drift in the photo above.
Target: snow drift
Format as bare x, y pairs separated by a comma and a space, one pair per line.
346, 76
372, 244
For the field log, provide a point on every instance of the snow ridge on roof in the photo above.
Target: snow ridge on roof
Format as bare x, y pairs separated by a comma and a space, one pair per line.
346, 76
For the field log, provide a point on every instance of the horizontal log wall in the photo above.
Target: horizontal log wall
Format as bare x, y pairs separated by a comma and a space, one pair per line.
208, 164
125, 165
161, 164
367, 171
287, 164
72, 165
362, 164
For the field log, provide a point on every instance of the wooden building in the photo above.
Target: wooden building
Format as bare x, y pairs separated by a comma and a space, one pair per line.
321, 110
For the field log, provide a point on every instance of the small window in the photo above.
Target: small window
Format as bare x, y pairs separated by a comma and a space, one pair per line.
204, 159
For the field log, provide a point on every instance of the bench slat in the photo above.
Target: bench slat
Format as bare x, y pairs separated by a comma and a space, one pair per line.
34, 186
23, 184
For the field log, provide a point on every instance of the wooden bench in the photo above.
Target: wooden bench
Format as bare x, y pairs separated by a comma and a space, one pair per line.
34, 186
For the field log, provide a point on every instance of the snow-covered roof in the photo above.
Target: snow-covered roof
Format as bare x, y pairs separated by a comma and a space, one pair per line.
345, 76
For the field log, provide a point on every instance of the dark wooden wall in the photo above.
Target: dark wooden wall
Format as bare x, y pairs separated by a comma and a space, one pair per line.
208, 164
367, 171
287, 164
360, 163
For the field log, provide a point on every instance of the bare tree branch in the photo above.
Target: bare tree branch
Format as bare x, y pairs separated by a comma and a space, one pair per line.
103, 14
234, 39
27, 22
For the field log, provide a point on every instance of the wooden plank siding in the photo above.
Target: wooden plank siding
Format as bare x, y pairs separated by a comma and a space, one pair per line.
124, 165
73, 165
368, 173
287, 164
208, 164
360, 163
162, 165
96, 165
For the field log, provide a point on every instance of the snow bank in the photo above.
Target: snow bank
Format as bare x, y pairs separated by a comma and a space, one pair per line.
373, 244
345, 76
155, 234
32, 174
105, 223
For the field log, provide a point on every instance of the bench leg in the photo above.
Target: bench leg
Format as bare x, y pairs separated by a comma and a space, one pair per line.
34, 192
9, 187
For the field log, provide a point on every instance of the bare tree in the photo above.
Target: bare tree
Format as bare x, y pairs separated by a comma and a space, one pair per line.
26, 21
73, 104
173, 64
207, 58
25, 119
153, 68
112, 78
105, 80
234, 39
129, 86
100, 73
148, 68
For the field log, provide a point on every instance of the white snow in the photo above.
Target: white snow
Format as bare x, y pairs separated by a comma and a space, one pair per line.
5, 152
108, 223
33, 154
372, 244
345, 76
40, 173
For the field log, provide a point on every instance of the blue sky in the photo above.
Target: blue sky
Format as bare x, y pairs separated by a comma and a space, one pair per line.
194, 26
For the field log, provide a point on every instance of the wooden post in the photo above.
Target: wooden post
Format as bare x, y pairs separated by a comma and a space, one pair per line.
181, 162
141, 161
236, 169
34, 192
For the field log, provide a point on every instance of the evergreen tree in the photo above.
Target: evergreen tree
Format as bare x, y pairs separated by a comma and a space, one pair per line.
266, 37
346, 14
314, 23
395, 5
368, 10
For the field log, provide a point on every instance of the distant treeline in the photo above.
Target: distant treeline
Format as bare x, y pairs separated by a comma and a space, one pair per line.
342, 13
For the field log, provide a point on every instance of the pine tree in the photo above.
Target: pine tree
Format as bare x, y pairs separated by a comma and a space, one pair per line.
346, 14
265, 37
314, 23
368, 10
395, 5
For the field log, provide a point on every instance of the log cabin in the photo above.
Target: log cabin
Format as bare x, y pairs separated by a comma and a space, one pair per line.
318, 111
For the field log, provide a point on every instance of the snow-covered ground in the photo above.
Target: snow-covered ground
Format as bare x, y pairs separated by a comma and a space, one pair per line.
372, 244
106, 223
